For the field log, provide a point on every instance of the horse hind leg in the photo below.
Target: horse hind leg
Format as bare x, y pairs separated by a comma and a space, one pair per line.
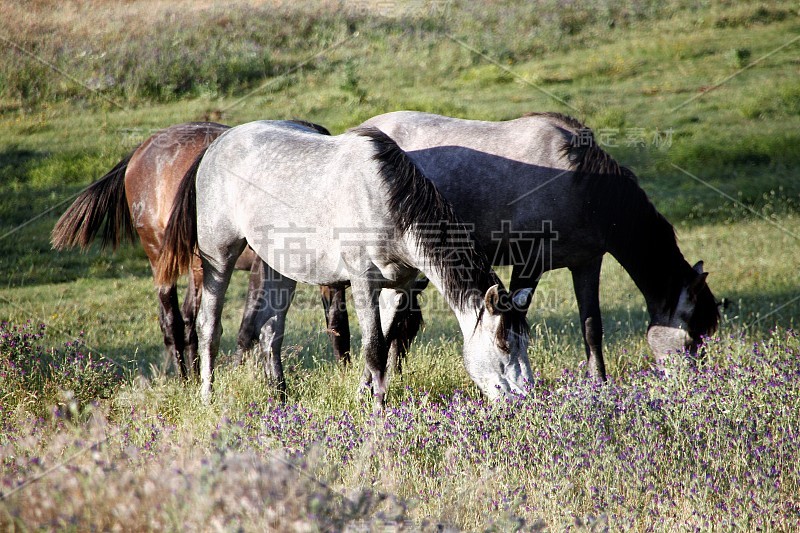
191, 305
216, 277
172, 327
249, 329
277, 293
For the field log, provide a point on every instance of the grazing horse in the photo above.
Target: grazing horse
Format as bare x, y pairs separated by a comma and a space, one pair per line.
269, 183
556, 199
137, 195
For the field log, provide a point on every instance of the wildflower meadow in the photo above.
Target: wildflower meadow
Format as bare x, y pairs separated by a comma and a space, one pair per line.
699, 99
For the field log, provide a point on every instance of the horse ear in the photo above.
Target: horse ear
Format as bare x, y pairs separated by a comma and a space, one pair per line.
492, 299
698, 267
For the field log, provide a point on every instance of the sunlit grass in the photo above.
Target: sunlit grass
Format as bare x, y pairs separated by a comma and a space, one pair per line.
711, 447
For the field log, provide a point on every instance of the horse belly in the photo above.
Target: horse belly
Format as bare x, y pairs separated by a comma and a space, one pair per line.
303, 261
539, 244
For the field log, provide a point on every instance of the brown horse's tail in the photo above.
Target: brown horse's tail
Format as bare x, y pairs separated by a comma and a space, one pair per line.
180, 238
103, 201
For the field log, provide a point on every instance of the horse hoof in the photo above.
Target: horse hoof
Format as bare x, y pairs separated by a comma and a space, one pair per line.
378, 403
364, 390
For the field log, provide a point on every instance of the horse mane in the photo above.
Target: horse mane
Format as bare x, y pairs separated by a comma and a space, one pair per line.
611, 187
705, 319
633, 226
415, 203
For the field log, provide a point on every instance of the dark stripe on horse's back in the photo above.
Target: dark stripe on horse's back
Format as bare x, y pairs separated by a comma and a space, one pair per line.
316, 127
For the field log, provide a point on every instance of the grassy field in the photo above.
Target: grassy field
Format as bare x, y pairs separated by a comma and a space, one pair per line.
701, 100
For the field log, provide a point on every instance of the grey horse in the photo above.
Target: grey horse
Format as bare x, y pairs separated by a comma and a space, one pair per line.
267, 184
540, 194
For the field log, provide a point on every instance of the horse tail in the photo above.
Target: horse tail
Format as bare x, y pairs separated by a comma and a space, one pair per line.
180, 237
102, 202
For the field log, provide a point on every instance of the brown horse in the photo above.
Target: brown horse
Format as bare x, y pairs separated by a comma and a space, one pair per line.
136, 197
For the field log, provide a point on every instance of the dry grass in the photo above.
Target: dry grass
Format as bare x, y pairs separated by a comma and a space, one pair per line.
713, 446
87, 479
91, 17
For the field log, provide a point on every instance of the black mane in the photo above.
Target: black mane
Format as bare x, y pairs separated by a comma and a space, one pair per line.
416, 203
705, 319
316, 127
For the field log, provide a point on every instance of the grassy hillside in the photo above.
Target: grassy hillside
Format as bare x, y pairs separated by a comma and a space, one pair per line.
701, 100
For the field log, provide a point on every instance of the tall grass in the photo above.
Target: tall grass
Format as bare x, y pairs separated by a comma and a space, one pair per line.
34, 377
627, 66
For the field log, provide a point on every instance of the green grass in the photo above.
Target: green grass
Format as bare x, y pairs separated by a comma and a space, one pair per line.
723, 170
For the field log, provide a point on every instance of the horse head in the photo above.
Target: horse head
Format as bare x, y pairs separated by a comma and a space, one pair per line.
693, 316
496, 353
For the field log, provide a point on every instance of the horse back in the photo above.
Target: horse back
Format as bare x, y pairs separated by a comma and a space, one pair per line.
281, 186
155, 172
512, 181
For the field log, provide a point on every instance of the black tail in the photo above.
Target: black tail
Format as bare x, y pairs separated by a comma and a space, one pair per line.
180, 237
103, 201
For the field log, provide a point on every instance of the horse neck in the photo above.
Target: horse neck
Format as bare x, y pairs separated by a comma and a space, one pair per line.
644, 244
462, 289
466, 309
658, 283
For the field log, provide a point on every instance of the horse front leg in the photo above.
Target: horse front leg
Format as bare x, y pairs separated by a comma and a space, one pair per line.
405, 324
400, 321
586, 282
373, 343
393, 303
525, 277
337, 320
